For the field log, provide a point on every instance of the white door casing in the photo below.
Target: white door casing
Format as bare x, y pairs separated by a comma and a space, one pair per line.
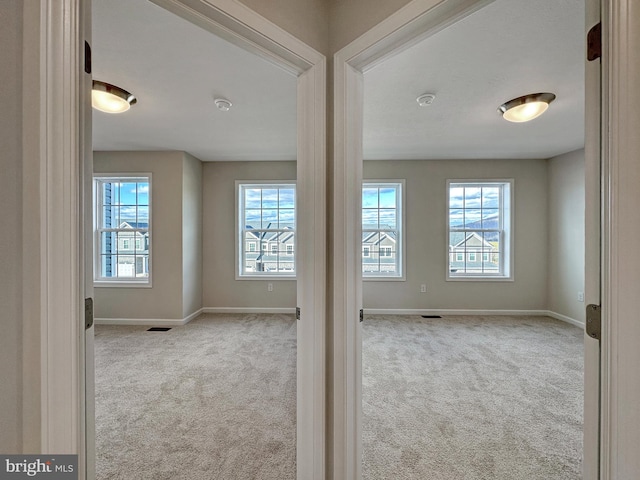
64, 177
620, 355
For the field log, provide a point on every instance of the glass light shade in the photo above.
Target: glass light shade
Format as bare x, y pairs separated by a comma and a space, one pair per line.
526, 112
528, 107
110, 99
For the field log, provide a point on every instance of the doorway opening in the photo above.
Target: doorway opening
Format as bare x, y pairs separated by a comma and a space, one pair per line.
491, 239
430, 286
198, 160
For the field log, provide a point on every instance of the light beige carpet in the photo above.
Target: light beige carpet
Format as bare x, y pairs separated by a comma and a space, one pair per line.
214, 399
491, 398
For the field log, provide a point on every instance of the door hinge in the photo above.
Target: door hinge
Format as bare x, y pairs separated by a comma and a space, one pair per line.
87, 57
594, 321
361, 315
594, 42
297, 313
88, 313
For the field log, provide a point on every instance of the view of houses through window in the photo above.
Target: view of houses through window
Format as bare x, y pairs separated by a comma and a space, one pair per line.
479, 222
267, 220
381, 229
122, 228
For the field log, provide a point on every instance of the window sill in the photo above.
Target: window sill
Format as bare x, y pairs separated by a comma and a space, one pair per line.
121, 284
479, 279
383, 279
266, 277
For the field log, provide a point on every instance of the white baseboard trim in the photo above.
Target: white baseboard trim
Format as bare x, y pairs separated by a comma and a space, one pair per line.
164, 322
564, 318
394, 311
249, 310
547, 313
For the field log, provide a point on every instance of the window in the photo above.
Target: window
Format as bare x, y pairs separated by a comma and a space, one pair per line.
382, 240
266, 217
479, 226
122, 232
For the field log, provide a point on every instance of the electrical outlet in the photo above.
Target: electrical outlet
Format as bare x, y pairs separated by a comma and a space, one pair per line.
423, 288
581, 296
269, 287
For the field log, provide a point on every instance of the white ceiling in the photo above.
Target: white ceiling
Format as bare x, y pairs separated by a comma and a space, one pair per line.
505, 50
176, 69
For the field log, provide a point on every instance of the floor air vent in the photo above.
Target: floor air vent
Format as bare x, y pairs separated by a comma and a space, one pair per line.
159, 329
431, 316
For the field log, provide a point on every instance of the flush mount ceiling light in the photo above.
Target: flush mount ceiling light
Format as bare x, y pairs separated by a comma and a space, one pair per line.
527, 107
223, 104
110, 99
426, 99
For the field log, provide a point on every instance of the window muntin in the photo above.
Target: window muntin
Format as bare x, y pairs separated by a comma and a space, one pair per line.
382, 241
479, 229
122, 229
267, 220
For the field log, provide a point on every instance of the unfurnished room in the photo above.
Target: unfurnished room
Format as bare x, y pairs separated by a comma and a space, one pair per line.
471, 255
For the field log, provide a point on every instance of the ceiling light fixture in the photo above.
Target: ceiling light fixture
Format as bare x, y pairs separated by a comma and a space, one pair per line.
222, 104
110, 99
527, 107
426, 99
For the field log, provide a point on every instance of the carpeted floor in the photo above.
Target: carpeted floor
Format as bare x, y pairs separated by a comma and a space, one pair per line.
214, 399
491, 398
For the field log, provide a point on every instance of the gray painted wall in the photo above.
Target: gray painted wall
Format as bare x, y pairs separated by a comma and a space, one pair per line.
11, 231
329, 25
349, 19
165, 299
220, 288
566, 234
191, 235
304, 19
427, 245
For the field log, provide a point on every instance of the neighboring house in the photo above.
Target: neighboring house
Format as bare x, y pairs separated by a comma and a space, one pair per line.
477, 248
379, 252
269, 251
470, 252
131, 254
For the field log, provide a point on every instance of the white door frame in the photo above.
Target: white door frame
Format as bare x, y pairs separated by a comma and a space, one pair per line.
58, 174
620, 417
620, 355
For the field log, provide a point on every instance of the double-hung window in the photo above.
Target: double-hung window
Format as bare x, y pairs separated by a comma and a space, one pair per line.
382, 239
266, 229
122, 229
479, 219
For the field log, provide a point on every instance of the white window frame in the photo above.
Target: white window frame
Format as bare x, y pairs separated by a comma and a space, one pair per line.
506, 208
99, 281
241, 268
400, 242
